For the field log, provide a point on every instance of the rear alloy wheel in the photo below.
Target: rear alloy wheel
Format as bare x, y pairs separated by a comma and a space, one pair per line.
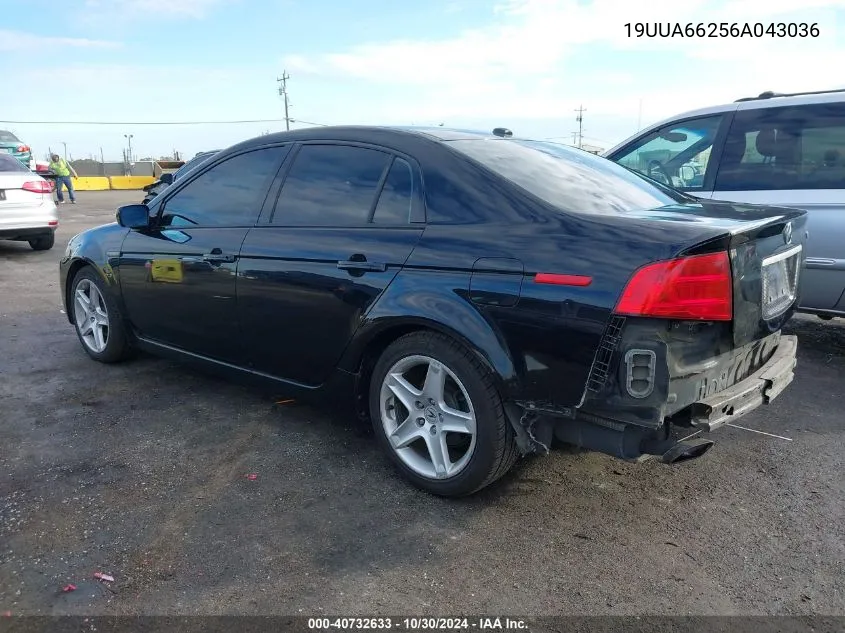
98, 322
43, 242
438, 415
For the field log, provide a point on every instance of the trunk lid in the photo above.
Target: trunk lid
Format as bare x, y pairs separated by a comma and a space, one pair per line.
12, 195
766, 246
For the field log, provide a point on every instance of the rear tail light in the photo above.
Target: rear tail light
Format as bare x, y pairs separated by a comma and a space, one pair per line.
38, 186
23, 148
689, 288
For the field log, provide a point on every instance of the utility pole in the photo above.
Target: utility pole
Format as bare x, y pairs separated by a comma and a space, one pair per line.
580, 120
128, 137
283, 91
574, 139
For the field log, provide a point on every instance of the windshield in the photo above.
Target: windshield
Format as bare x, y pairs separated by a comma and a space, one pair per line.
569, 178
9, 163
667, 189
8, 137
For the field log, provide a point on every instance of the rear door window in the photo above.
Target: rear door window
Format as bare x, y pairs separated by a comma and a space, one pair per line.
796, 147
677, 154
333, 185
397, 194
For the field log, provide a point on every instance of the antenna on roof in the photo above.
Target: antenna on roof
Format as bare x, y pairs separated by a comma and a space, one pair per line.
503, 132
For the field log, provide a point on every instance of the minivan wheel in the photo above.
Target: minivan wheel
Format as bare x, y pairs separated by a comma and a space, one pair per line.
97, 319
437, 414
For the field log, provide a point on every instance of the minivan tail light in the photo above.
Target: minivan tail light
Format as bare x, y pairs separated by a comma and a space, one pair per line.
687, 288
37, 186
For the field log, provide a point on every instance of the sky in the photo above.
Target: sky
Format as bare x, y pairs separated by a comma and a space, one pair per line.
522, 64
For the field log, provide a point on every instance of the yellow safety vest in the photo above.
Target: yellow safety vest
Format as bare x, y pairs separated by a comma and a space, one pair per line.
60, 168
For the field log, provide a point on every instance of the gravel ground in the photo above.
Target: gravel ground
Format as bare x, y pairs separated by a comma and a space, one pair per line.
139, 470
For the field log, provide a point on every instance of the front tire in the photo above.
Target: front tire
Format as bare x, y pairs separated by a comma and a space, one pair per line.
97, 318
437, 414
43, 242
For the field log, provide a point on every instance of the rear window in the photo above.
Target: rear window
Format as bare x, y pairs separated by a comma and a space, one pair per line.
569, 178
10, 163
8, 137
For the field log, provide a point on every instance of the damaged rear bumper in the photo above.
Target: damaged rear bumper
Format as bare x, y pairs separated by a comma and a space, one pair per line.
761, 387
699, 399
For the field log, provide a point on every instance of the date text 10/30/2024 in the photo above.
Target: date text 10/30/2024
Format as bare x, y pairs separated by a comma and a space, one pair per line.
722, 29
418, 624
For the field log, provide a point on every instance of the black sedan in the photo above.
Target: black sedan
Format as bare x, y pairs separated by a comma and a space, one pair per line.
475, 296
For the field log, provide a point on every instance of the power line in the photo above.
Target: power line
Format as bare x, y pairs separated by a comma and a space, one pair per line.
310, 123
145, 122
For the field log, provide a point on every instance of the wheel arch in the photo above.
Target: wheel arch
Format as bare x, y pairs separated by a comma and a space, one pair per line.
72, 270
372, 339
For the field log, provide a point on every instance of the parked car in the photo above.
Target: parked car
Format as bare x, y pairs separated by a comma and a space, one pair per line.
781, 149
27, 210
167, 179
474, 295
11, 144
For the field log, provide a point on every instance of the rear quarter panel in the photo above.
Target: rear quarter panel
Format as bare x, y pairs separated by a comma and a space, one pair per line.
540, 340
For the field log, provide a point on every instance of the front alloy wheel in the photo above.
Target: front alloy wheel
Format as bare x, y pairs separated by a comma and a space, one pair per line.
91, 316
437, 413
97, 319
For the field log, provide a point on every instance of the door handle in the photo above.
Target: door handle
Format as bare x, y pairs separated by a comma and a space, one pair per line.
360, 263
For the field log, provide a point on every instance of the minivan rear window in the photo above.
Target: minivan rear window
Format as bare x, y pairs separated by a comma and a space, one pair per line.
568, 178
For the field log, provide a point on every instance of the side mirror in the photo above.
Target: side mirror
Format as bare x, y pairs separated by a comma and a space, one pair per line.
134, 216
167, 178
674, 137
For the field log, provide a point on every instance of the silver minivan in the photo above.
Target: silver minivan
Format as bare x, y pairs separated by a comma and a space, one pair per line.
779, 149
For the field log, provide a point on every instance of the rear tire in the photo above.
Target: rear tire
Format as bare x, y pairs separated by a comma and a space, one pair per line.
453, 438
97, 318
43, 242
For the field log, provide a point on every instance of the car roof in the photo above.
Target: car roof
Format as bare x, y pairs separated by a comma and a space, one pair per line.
764, 100
376, 132
444, 133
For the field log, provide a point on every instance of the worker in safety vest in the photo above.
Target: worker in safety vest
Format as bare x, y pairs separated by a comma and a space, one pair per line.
63, 171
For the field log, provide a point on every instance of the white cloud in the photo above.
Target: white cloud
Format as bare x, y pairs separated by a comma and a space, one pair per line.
539, 59
20, 41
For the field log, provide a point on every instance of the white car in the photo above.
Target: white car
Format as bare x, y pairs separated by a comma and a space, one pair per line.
27, 210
